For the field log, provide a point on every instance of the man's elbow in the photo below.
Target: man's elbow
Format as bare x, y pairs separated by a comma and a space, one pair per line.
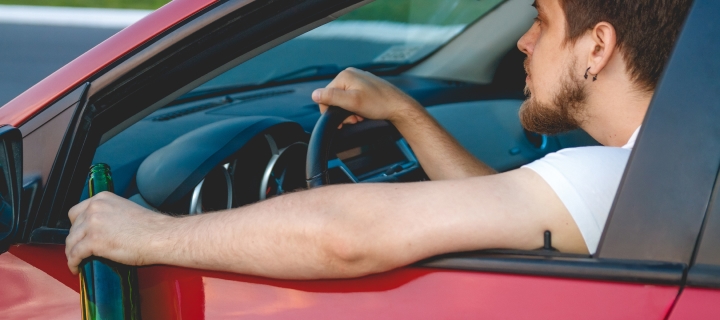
349, 254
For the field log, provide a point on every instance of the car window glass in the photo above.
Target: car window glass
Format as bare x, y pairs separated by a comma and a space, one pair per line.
382, 34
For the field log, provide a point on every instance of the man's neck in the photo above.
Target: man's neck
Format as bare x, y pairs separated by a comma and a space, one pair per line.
615, 110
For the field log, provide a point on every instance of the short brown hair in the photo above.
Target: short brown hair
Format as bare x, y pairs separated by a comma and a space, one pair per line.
646, 30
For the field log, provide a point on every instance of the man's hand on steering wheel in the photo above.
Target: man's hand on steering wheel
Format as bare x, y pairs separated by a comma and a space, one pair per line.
365, 95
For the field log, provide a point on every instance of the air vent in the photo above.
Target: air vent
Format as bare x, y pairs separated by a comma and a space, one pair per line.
228, 99
539, 141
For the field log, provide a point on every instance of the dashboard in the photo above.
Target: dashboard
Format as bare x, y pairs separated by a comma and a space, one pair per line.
212, 153
240, 161
373, 151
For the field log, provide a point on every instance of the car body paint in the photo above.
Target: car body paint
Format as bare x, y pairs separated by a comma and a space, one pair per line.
180, 293
35, 284
406, 293
32, 101
697, 303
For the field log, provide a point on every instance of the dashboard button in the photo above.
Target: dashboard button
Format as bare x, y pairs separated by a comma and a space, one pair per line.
393, 170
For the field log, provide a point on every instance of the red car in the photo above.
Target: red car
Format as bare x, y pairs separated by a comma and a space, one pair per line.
205, 105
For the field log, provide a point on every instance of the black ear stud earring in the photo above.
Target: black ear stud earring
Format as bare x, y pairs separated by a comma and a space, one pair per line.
587, 72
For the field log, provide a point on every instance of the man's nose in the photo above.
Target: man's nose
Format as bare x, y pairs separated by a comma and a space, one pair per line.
526, 44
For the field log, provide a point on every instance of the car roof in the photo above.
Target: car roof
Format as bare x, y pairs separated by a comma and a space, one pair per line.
62, 81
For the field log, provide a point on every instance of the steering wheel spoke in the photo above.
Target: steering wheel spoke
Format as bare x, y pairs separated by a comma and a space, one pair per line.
321, 163
317, 171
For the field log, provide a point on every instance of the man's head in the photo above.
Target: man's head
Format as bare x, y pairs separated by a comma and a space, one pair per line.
574, 41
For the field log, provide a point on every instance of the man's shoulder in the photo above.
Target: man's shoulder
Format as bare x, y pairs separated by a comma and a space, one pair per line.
591, 154
583, 161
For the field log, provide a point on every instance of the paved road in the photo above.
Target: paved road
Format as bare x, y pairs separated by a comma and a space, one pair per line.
29, 53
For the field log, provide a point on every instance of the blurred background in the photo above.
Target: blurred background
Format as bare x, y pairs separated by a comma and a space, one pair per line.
124, 4
37, 37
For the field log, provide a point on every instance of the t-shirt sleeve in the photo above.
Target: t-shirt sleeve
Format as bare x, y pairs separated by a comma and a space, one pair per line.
586, 180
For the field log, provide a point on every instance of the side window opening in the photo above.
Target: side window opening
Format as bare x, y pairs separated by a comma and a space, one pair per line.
383, 37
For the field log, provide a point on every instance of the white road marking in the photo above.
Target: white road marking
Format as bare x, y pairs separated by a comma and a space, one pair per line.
374, 31
76, 17
385, 31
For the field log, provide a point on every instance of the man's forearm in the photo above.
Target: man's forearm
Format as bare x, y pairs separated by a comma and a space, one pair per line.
332, 232
296, 236
440, 154
365, 228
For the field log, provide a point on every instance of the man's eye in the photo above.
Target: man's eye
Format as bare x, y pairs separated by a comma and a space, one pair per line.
537, 20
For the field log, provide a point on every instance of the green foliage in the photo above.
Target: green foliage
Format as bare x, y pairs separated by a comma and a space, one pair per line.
125, 4
439, 12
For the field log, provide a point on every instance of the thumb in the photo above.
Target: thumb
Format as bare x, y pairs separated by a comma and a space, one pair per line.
334, 97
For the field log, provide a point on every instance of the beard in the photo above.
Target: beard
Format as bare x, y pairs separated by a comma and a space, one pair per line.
563, 114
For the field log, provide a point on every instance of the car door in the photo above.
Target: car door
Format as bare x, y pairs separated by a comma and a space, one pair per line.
699, 298
634, 275
637, 273
36, 284
25, 288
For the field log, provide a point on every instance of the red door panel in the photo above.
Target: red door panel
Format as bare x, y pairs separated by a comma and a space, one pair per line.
37, 284
409, 293
696, 303
28, 290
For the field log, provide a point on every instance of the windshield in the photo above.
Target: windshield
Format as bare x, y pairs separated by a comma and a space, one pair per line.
382, 35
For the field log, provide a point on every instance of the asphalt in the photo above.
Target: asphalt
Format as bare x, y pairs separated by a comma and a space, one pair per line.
36, 41
29, 53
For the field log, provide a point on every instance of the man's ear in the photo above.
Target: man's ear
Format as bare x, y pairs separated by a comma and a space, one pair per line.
604, 40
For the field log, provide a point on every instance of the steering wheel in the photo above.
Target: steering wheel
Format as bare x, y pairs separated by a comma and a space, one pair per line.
316, 170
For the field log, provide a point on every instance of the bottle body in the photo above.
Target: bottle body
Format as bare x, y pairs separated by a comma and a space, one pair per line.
108, 289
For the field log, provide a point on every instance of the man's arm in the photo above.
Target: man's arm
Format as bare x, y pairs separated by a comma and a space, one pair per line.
368, 96
315, 234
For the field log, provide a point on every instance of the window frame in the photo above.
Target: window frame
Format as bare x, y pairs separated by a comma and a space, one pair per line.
705, 267
117, 91
218, 35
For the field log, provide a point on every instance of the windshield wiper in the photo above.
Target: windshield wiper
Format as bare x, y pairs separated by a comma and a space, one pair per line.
307, 72
329, 70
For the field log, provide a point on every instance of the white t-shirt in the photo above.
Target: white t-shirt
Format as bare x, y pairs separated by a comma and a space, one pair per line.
586, 180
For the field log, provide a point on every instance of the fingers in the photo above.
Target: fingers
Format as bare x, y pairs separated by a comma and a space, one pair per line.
335, 97
76, 210
77, 254
341, 91
76, 235
80, 208
81, 216
75, 248
354, 119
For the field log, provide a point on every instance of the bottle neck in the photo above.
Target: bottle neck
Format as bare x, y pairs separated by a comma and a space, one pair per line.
100, 179
100, 168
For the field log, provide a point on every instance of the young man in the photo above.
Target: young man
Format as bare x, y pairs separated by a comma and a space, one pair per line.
592, 64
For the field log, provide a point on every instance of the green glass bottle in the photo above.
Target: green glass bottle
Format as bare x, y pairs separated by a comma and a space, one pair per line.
108, 290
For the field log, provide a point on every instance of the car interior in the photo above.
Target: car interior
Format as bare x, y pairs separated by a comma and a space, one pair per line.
242, 136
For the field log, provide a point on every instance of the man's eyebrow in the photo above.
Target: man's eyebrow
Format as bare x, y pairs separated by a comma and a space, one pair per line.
537, 7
